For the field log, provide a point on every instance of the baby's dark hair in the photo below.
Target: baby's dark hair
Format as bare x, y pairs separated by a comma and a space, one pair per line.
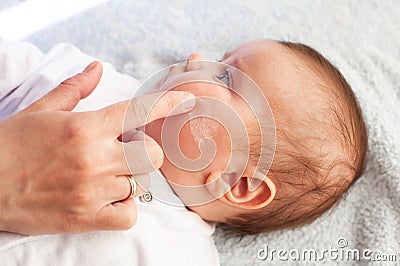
310, 182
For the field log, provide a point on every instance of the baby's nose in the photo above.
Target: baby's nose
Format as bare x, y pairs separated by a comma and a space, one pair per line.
191, 65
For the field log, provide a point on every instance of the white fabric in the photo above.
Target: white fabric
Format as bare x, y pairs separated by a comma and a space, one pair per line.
163, 235
27, 74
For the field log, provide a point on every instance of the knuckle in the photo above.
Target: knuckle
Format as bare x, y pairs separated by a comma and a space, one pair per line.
139, 110
166, 102
74, 128
77, 223
80, 201
74, 221
170, 103
78, 214
73, 81
70, 85
78, 147
79, 211
80, 165
83, 165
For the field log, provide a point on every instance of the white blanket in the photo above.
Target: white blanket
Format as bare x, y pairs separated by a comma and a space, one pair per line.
360, 37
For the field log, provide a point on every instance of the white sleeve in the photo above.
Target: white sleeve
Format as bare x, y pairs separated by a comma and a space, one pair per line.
18, 60
28, 74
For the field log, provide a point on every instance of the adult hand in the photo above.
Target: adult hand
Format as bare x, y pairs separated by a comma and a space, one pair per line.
64, 172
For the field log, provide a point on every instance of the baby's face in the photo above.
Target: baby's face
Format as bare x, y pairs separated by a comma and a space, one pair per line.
267, 64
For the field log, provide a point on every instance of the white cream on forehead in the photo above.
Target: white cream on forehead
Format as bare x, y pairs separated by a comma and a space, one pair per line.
202, 127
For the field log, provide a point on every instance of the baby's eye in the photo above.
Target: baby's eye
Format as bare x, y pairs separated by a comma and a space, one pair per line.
225, 78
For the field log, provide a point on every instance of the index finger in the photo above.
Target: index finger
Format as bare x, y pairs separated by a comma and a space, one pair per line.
147, 108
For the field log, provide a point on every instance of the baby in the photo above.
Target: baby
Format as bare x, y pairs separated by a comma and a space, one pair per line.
321, 139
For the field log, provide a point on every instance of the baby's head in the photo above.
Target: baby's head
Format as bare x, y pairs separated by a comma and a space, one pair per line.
320, 138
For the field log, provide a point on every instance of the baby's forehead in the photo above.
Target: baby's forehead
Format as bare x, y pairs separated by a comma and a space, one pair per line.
268, 63
281, 74
256, 52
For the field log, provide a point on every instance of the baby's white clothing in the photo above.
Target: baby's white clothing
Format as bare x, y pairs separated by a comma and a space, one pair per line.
163, 234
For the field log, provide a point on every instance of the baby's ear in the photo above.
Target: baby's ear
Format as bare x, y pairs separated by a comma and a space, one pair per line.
251, 193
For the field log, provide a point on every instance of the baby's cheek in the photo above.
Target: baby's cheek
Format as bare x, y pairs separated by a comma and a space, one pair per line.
195, 136
202, 128
205, 135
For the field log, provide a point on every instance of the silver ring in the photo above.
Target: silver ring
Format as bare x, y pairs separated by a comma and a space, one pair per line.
133, 185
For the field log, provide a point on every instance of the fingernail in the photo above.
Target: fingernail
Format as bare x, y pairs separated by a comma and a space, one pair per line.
188, 102
90, 67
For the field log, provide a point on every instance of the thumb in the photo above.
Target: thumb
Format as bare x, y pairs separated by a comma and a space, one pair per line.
68, 94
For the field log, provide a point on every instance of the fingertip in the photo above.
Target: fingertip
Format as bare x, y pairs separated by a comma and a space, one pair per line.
175, 103
188, 105
188, 101
91, 66
179, 96
92, 73
186, 95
